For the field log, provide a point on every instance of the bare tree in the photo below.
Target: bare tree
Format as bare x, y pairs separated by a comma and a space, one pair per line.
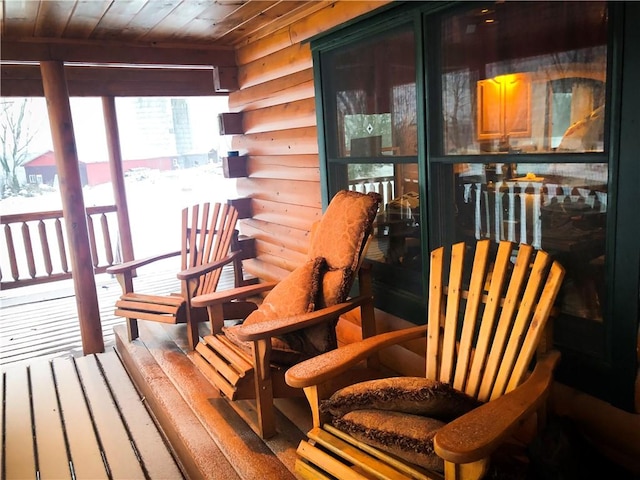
16, 134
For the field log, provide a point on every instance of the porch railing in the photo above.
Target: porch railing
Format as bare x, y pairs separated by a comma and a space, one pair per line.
385, 186
36, 246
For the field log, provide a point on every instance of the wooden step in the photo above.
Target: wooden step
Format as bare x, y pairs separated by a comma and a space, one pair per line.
159, 356
79, 418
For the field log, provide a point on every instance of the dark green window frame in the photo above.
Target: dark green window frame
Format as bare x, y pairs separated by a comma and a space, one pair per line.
598, 359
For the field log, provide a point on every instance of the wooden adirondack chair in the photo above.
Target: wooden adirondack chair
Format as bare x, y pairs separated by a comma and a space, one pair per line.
296, 319
483, 330
208, 232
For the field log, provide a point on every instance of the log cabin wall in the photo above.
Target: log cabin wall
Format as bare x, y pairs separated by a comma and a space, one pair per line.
277, 102
276, 99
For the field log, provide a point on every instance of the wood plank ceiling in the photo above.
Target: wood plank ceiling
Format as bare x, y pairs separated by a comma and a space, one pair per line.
196, 35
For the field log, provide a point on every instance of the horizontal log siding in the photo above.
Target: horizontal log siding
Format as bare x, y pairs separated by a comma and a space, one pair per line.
294, 114
296, 86
276, 97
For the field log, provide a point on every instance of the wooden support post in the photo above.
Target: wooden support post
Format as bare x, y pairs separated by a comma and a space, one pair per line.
117, 177
64, 145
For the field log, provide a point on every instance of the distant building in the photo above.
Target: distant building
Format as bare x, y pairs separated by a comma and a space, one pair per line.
42, 169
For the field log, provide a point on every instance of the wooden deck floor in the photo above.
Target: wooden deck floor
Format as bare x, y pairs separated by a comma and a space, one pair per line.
71, 416
78, 418
42, 321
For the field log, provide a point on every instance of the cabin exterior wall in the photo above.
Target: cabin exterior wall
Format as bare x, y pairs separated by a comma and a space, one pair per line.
276, 98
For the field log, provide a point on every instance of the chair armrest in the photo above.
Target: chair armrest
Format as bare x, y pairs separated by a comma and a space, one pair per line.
322, 368
133, 264
280, 326
225, 296
195, 272
478, 433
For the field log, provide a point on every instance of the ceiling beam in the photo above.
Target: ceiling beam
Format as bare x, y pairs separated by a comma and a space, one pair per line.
114, 53
91, 81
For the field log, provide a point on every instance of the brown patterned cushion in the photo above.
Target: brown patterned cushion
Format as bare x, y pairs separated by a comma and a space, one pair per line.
415, 395
407, 436
296, 294
335, 287
343, 228
321, 281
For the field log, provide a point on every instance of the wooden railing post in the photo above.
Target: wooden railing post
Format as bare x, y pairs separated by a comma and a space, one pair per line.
64, 144
117, 177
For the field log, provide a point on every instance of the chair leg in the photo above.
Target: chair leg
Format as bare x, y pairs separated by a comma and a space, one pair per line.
132, 328
466, 471
264, 388
193, 336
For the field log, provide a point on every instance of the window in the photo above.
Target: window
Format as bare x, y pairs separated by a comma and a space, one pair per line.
512, 88
372, 145
506, 128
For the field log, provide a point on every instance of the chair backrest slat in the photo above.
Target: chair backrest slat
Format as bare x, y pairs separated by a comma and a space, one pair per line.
510, 303
536, 330
490, 352
492, 305
436, 303
436, 297
207, 232
203, 234
454, 293
521, 324
474, 299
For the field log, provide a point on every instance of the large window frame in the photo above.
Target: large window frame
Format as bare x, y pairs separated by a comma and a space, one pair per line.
597, 358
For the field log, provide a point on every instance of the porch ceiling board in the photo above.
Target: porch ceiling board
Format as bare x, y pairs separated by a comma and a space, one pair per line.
150, 33
145, 22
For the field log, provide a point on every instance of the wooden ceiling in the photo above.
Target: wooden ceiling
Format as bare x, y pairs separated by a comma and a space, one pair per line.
199, 34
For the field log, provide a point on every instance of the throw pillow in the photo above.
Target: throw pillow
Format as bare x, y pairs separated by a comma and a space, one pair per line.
407, 436
414, 395
343, 228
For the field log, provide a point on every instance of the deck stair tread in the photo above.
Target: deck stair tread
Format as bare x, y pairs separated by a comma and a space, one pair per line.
162, 348
79, 418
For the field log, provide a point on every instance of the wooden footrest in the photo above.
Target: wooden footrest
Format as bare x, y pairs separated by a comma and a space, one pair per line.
226, 367
156, 308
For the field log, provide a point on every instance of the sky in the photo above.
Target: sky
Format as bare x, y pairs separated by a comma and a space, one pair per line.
88, 125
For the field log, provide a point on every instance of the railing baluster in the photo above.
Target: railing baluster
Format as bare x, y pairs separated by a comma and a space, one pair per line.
12, 252
42, 229
28, 248
104, 221
61, 248
42, 267
92, 240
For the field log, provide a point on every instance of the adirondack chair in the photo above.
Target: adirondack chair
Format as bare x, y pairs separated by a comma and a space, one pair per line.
483, 331
208, 232
296, 319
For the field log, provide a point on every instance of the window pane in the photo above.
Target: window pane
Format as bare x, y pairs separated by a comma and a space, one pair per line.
512, 84
396, 240
373, 83
560, 208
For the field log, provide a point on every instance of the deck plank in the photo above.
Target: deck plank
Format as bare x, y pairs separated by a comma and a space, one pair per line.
20, 454
53, 462
122, 462
154, 455
83, 443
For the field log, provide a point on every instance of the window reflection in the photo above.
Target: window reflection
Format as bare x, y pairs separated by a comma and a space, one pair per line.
396, 239
560, 208
375, 96
517, 86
